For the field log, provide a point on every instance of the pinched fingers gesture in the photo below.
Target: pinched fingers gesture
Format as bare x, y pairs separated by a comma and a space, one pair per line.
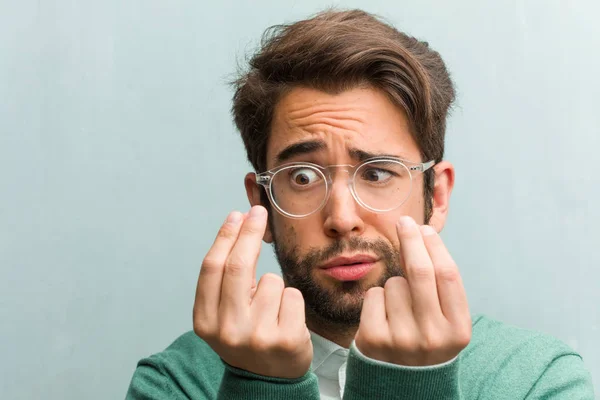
422, 318
261, 328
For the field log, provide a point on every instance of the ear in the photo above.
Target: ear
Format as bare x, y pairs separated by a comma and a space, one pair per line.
444, 183
253, 193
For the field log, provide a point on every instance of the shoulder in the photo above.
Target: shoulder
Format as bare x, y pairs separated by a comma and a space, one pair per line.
498, 337
186, 368
514, 362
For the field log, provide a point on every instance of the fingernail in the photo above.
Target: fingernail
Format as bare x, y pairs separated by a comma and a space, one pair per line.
427, 230
234, 217
257, 212
406, 223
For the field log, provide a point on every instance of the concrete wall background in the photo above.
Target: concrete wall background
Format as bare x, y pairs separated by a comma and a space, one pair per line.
114, 121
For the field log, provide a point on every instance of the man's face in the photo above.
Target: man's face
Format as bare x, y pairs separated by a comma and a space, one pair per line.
358, 119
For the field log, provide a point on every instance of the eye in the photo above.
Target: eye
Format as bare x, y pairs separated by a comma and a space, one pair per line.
376, 175
304, 176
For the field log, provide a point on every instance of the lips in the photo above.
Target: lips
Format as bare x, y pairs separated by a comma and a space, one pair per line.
349, 268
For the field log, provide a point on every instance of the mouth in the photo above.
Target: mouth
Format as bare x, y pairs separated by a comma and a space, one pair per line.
349, 268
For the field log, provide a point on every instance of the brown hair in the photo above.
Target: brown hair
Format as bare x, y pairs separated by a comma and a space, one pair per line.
336, 51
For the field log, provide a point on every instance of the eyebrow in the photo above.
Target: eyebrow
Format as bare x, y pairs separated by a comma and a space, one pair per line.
361, 155
313, 146
299, 149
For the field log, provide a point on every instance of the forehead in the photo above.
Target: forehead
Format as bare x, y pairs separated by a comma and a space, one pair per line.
324, 127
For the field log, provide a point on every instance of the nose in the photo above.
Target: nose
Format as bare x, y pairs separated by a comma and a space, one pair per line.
342, 212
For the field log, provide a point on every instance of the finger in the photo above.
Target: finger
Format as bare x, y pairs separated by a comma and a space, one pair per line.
265, 303
398, 304
239, 267
373, 309
254, 282
208, 289
292, 320
254, 270
373, 327
419, 271
451, 291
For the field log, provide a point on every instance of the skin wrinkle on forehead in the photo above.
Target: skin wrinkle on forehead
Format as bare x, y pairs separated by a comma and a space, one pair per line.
344, 118
341, 127
328, 122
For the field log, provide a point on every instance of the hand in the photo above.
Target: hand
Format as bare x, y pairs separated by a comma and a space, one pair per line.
262, 329
422, 319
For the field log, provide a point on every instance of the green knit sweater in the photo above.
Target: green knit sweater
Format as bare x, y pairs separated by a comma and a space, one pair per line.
500, 362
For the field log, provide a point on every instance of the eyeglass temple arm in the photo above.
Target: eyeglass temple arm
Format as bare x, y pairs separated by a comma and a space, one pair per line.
422, 167
262, 179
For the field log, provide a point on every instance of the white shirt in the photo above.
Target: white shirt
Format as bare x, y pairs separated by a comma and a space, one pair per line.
329, 364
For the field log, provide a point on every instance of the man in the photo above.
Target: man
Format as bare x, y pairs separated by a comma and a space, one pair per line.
343, 118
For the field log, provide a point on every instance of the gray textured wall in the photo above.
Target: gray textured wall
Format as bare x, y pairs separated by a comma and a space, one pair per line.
118, 162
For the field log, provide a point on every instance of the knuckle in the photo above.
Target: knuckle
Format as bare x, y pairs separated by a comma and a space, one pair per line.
463, 341
202, 329
235, 266
287, 345
463, 338
211, 265
421, 271
404, 339
448, 273
230, 338
260, 342
431, 343
375, 338
203, 325
226, 232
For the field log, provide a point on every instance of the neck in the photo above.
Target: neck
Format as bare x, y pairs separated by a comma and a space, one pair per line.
340, 334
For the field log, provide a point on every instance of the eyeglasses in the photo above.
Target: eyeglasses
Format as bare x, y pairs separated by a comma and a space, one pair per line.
379, 184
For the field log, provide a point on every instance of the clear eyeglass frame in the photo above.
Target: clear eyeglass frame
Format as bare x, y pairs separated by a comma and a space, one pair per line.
265, 179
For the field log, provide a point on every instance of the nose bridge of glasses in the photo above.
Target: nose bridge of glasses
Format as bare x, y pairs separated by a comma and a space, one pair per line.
332, 171
337, 184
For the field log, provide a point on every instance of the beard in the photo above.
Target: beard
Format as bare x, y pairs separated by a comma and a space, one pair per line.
339, 306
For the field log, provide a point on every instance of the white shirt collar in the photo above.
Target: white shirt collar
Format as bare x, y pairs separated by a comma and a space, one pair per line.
329, 364
323, 349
